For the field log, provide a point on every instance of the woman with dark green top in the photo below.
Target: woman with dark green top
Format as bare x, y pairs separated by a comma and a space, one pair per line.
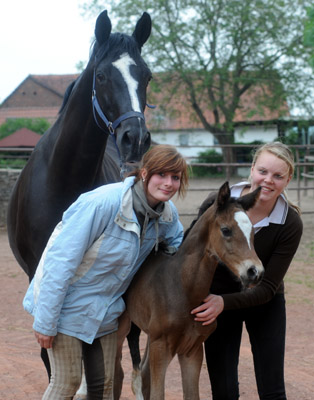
278, 229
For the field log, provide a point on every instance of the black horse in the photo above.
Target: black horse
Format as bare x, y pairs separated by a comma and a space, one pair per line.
71, 157
100, 125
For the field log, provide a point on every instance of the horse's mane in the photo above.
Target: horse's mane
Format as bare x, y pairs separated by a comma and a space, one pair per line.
117, 44
66, 96
208, 202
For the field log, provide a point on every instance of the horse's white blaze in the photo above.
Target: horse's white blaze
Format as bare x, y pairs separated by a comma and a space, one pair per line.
123, 65
244, 224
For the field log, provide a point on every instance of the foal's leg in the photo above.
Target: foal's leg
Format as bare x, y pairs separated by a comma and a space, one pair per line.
145, 373
190, 372
159, 359
123, 330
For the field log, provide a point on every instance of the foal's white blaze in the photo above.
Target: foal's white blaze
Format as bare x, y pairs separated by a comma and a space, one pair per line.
123, 65
244, 224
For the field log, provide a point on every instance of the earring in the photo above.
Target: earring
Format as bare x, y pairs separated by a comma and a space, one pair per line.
143, 179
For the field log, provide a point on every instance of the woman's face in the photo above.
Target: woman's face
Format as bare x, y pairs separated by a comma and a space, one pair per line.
272, 174
162, 187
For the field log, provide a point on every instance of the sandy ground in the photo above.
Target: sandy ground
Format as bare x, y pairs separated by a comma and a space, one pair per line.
22, 374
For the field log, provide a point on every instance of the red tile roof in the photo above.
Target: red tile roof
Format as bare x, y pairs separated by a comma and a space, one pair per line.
56, 83
21, 138
42, 95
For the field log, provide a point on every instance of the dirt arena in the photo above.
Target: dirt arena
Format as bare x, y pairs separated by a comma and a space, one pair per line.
22, 374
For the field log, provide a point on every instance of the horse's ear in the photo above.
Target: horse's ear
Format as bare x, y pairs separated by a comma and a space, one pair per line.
223, 196
102, 28
249, 199
143, 29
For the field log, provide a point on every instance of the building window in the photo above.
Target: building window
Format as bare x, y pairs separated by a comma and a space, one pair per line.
184, 139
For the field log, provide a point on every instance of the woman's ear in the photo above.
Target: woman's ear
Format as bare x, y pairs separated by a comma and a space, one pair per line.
143, 174
289, 179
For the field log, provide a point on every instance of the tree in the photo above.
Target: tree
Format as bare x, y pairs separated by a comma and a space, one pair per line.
309, 34
216, 51
38, 125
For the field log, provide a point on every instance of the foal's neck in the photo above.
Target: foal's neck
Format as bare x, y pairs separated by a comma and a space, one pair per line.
198, 263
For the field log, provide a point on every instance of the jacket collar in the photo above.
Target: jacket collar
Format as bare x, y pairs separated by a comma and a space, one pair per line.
278, 214
126, 216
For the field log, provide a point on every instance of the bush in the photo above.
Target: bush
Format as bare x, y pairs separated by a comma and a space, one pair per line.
207, 156
13, 163
38, 125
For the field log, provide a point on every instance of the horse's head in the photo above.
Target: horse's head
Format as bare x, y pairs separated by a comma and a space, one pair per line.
231, 237
120, 79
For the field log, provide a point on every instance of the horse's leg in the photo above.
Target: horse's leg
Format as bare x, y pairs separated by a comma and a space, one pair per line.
134, 346
190, 373
145, 374
159, 359
45, 358
123, 330
81, 394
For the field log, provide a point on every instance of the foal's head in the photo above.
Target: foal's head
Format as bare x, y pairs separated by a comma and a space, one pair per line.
231, 236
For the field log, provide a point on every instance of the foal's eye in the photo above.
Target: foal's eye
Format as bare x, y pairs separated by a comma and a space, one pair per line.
226, 231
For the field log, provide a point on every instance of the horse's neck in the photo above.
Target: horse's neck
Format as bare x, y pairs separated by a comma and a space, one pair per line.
78, 141
198, 264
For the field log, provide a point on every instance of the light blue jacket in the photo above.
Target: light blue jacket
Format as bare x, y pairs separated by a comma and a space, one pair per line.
90, 260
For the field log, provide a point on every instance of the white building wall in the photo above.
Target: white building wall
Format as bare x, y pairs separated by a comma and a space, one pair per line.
188, 143
249, 134
191, 143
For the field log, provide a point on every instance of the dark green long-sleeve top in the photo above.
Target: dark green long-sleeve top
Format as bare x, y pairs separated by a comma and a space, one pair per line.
275, 245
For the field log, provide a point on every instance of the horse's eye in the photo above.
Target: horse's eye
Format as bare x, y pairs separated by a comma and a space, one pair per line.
226, 231
100, 77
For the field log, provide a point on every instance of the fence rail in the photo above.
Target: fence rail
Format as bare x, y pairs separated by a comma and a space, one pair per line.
304, 164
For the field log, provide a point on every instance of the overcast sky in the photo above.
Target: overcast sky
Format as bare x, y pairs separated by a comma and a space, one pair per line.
41, 37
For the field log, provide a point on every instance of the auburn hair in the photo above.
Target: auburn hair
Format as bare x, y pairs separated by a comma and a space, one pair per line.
161, 159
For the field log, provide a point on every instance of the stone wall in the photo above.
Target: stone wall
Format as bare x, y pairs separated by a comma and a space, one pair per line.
8, 178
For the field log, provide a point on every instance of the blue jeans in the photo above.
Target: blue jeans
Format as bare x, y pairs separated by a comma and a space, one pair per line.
266, 326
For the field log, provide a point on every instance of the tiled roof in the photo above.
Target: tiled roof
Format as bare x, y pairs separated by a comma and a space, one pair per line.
176, 113
56, 83
40, 96
21, 138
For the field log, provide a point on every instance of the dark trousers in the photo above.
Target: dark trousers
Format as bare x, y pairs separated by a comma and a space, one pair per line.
266, 326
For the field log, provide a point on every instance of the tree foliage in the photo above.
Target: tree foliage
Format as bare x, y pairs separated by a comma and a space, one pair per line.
38, 125
309, 34
216, 51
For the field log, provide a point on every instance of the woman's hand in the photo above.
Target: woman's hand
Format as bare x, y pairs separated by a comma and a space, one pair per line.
44, 340
207, 313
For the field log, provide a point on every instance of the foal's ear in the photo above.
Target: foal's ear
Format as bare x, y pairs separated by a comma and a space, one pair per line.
102, 28
223, 196
143, 29
249, 199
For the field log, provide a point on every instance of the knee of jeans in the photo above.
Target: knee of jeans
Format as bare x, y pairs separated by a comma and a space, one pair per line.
64, 388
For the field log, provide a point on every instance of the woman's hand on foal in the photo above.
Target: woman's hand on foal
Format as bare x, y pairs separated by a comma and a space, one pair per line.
44, 340
207, 312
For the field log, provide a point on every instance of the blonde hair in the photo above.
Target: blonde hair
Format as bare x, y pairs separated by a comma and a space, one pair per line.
283, 152
160, 159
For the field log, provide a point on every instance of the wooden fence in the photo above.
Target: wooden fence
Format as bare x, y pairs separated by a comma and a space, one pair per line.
304, 165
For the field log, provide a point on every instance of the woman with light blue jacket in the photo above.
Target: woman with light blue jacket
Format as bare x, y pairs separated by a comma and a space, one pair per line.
90, 260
